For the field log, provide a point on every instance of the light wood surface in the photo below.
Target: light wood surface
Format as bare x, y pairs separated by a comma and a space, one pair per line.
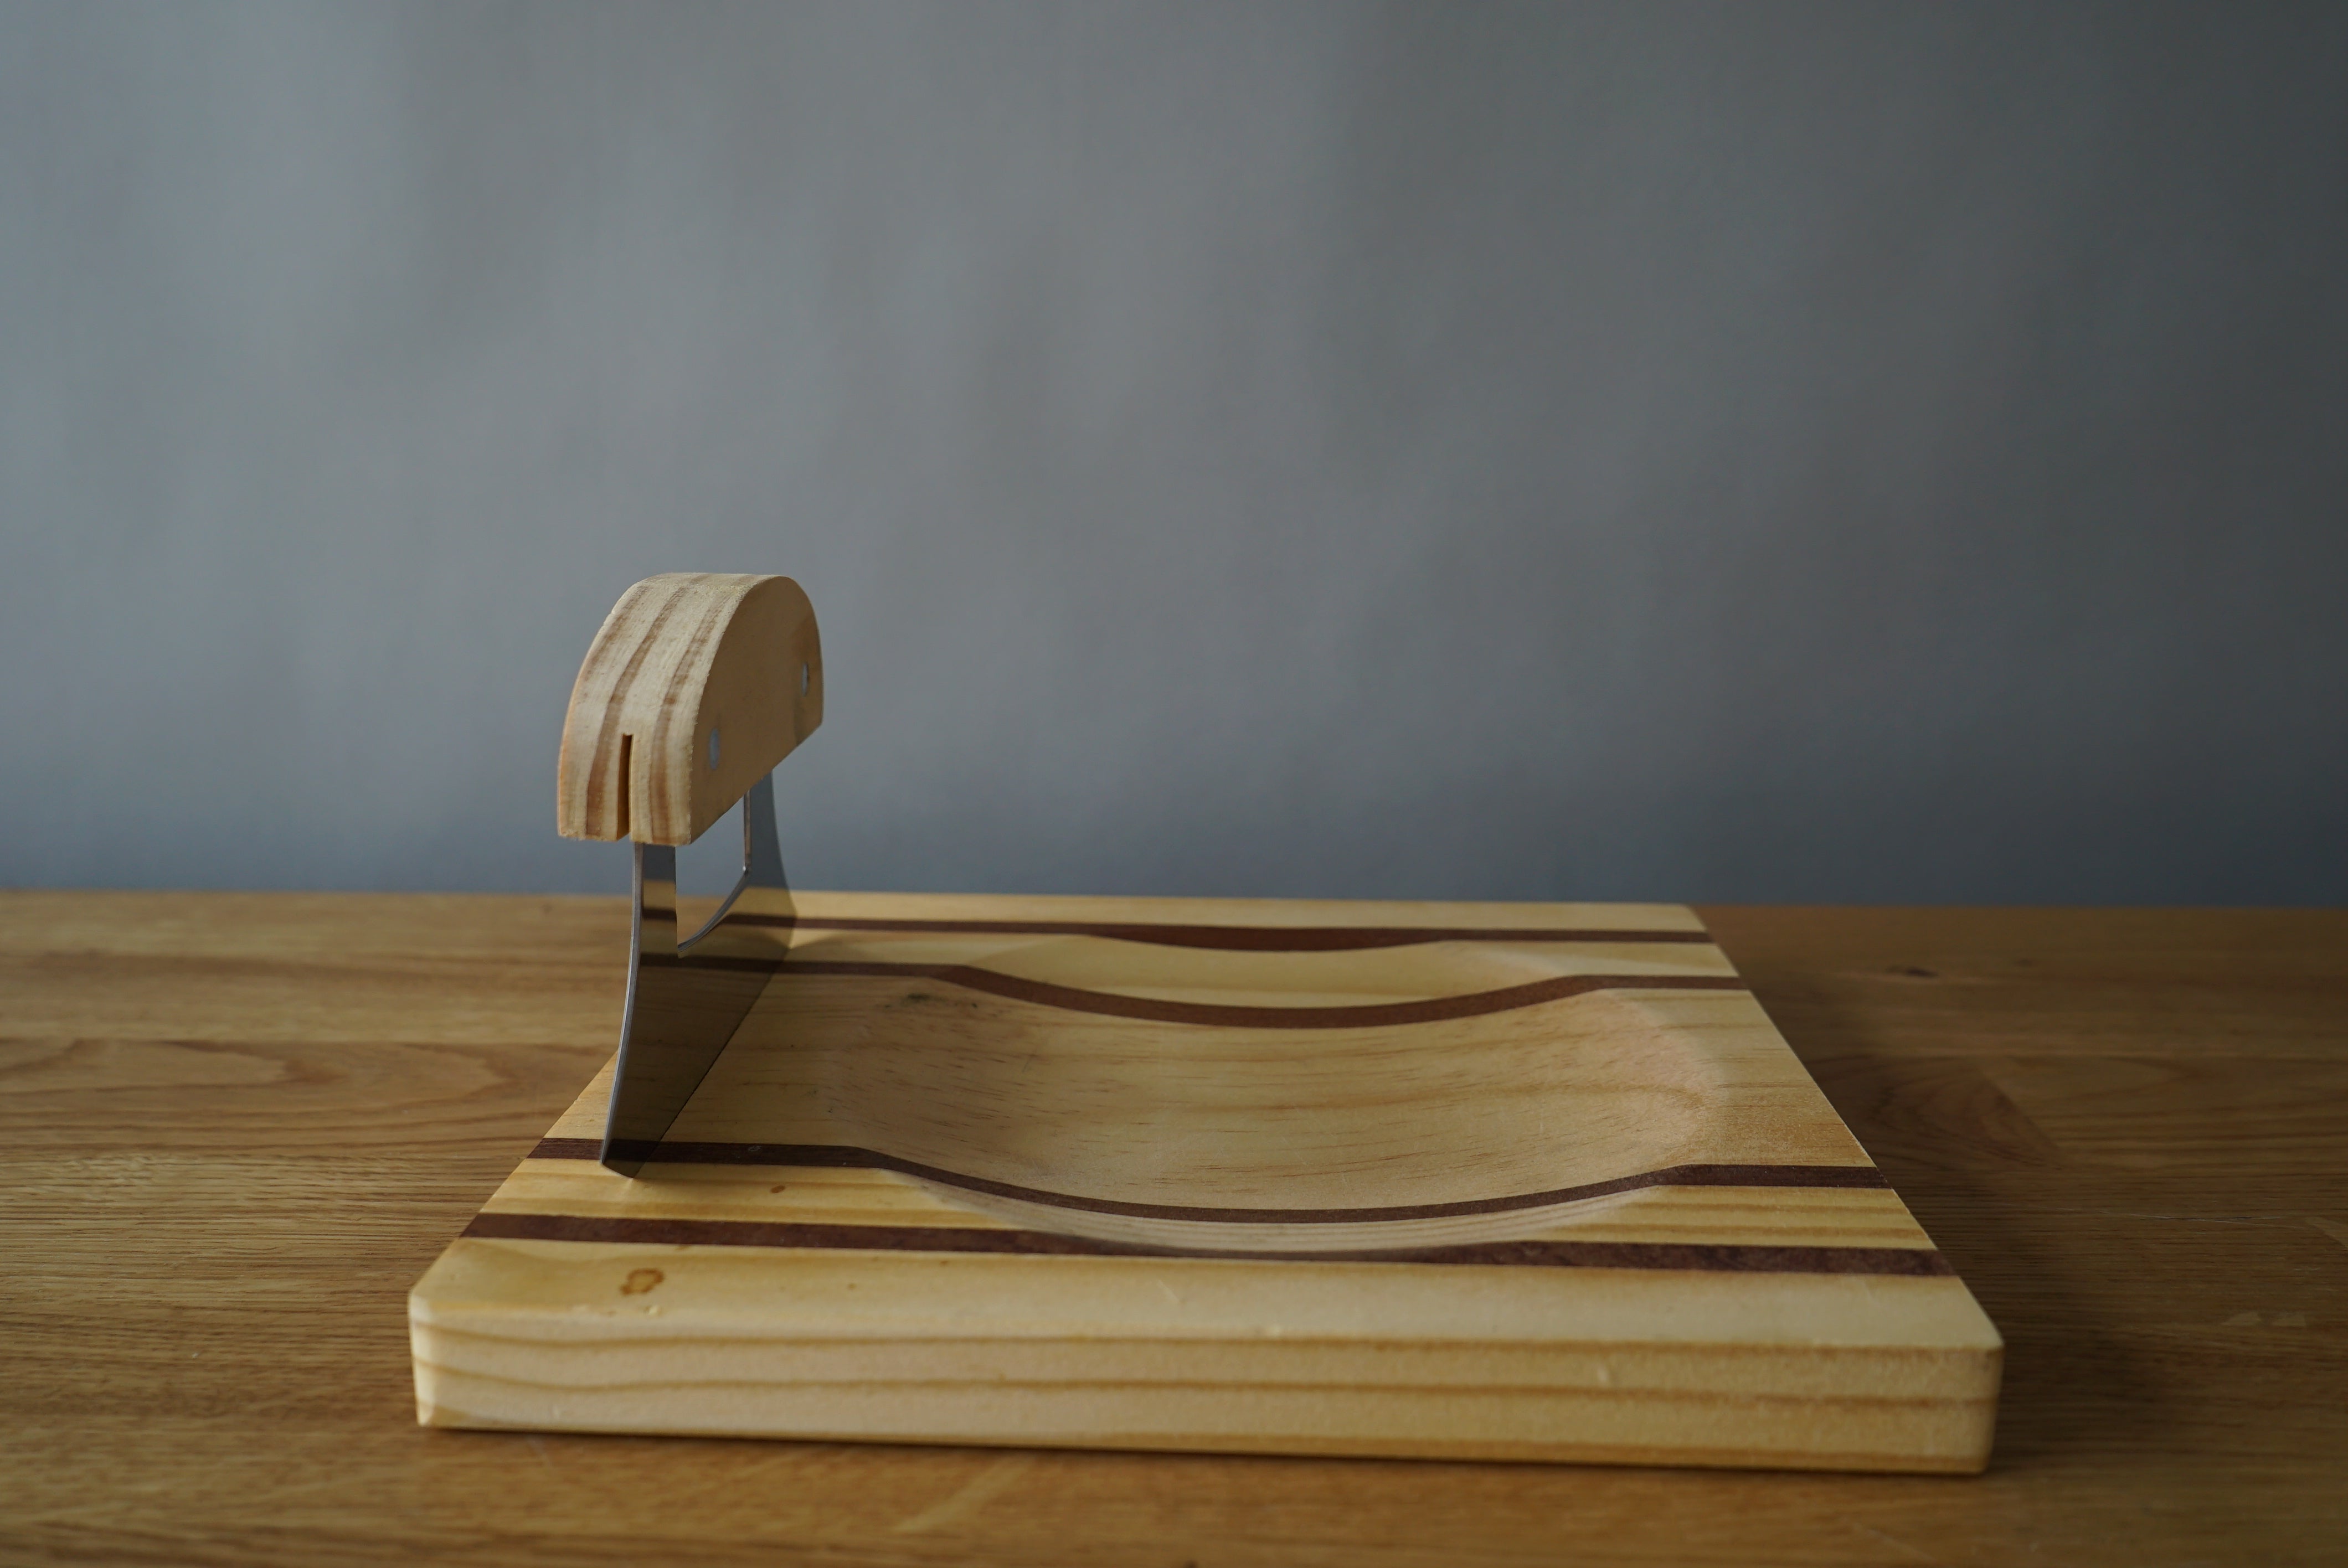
1527, 1182
235, 1129
1531, 1182
697, 684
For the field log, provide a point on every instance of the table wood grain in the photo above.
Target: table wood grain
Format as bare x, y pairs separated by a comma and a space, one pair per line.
235, 1128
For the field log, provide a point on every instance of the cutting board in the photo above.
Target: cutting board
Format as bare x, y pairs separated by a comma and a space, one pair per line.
1463, 1181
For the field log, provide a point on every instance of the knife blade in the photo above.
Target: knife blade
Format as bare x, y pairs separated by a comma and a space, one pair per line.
686, 996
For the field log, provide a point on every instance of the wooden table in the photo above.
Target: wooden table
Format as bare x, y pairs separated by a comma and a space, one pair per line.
237, 1127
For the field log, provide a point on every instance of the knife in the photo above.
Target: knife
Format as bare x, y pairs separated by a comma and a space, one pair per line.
696, 686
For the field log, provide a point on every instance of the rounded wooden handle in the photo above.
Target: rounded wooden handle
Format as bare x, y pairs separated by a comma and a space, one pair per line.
698, 683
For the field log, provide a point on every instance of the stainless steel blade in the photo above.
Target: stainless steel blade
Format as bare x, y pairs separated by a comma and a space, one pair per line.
685, 999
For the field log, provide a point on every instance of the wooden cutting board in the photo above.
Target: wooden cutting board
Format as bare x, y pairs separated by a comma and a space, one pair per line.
1470, 1181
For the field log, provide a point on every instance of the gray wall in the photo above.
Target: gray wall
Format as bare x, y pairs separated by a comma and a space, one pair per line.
1871, 452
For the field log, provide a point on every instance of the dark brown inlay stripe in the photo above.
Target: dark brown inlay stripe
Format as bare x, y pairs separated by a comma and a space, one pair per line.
846, 1157
1238, 938
1871, 1260
1373, 1015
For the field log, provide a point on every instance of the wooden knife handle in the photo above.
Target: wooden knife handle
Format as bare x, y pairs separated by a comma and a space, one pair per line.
698, 683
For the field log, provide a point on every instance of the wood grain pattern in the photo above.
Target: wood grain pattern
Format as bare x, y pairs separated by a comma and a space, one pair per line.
1253, 1188
233, 1128
697, 684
